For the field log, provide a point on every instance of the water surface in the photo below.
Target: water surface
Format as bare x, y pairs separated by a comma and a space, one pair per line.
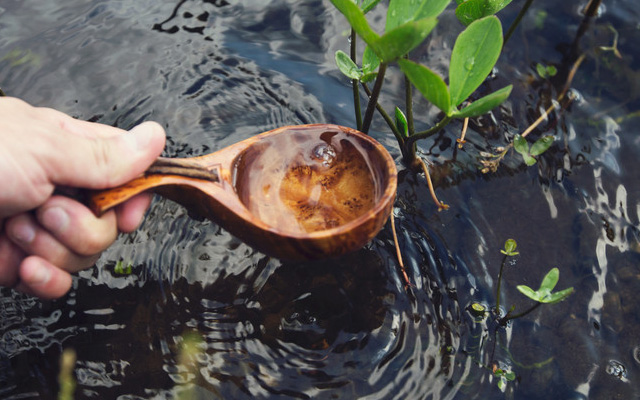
216, 72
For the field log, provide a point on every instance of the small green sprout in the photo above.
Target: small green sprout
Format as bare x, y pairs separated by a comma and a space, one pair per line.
122, 269
544, 294
401, 122
510, 248
503, 377
528, 154
547, 71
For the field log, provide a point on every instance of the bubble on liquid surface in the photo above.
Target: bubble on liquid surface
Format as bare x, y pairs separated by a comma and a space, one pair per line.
617, 369
325, 153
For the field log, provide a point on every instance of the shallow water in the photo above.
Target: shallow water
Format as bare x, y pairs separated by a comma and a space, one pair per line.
216, 72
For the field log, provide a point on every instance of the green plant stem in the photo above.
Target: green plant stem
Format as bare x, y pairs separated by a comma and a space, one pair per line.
408, 97
354, 84
386, 117
504, 261
508, 317
409, 145
373, 99
516, 22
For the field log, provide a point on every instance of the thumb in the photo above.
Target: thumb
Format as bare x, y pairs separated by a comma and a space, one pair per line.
103, 156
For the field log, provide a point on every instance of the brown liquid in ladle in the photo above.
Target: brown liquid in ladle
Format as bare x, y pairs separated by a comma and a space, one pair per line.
296, 192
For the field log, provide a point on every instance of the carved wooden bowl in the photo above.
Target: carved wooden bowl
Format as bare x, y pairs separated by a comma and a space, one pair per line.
296, 193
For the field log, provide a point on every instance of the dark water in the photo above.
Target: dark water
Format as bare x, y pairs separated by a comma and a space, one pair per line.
216, 72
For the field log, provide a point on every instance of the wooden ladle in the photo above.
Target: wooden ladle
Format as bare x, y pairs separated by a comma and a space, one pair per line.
296, 193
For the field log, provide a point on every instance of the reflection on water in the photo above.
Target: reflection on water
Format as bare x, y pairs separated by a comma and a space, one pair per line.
216, 72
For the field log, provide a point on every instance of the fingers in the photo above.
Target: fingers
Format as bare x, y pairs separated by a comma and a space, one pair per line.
130, 213
67, 234
39, 277
10, 258
66, 151
26, 233
37, 252
102, 160
31, 275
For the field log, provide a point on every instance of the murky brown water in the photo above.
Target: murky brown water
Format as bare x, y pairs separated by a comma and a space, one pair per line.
307, 181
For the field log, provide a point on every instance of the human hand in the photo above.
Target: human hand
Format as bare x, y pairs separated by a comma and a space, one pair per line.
45, 237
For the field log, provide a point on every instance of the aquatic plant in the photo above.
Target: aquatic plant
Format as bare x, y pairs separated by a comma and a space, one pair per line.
475, 53
544, 295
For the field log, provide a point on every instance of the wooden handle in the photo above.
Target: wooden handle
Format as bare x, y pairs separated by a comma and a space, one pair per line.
182, 167
162, 172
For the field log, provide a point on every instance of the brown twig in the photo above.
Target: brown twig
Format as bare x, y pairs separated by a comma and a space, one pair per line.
565, 90
572, 74
465, 125
441, 205
407, 282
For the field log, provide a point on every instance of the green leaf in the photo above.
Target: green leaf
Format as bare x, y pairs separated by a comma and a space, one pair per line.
472, 10
370, 61
356, 19
527, 291
528, 159
541, 145
368, 77
347, 66
474, 54
510, 375
401, 40
550, 280
432, 8
510, 248
559, 296
401, 122
430, 84
544, 294
546, 72
367, 5
484, 104
520, 144
403, 11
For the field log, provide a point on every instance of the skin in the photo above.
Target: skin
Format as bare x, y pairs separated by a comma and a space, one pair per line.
45, 237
